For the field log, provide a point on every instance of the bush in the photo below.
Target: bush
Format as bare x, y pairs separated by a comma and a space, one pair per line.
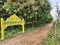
33, 11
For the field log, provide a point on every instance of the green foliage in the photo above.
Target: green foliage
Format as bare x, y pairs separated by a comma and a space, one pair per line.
9, 8
51, 38
36, 11
14, 31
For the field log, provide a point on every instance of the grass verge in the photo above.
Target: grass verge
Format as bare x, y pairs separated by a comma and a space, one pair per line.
13, 31
51, 39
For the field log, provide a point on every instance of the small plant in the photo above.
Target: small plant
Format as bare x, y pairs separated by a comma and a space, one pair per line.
51, 38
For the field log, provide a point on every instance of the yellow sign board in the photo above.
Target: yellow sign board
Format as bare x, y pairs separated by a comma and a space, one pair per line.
12, 20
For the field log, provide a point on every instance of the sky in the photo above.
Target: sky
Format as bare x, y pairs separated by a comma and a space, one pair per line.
54, 4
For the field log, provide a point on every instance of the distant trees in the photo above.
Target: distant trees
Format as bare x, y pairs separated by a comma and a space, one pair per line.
31, 10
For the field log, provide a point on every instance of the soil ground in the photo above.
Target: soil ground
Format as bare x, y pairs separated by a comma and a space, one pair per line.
35, 37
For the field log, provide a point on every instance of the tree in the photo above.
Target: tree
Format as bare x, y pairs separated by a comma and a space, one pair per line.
33, 11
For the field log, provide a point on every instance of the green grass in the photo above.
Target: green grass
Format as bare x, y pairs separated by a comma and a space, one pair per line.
51, 40
13, 31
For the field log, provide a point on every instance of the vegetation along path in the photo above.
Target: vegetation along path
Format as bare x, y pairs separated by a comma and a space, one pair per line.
35, 37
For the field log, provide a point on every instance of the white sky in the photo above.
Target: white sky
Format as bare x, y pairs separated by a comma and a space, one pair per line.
54, 4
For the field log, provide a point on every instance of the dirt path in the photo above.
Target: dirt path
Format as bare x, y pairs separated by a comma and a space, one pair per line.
35, 37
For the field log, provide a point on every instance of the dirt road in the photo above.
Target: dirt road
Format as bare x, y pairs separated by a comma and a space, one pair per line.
36, 37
